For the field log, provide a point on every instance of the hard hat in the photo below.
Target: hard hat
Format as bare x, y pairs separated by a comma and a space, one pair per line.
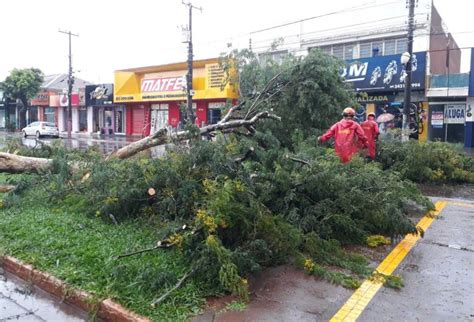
371, 114
348, 111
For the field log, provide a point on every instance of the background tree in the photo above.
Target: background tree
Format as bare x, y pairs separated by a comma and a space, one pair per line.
23, 85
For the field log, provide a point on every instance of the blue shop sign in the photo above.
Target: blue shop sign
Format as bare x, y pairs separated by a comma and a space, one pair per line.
471, 76
384, 73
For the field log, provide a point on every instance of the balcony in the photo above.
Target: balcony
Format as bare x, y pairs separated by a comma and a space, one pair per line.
448, 85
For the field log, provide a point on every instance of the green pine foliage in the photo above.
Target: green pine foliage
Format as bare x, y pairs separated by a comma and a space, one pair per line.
426, 161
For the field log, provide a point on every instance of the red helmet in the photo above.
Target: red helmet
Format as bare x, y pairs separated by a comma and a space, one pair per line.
348, 111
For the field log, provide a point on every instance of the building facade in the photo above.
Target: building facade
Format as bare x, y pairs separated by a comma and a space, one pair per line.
154, 97
103, 116
370, 39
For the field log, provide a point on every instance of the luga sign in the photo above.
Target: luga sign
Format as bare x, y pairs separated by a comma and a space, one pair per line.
164, 84
384, 73
455, 114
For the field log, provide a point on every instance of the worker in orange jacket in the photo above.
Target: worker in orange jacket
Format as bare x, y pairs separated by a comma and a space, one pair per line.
371, 130
347, 134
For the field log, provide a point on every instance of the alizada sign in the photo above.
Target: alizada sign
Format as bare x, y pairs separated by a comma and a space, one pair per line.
364, 97
164, 84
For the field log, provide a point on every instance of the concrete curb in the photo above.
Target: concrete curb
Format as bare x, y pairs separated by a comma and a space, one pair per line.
108, 310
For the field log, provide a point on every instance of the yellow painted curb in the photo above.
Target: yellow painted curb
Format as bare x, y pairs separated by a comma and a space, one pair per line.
356, 304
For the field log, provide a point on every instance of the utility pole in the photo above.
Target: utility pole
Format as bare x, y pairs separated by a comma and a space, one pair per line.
189, 76
70, 82
407, 100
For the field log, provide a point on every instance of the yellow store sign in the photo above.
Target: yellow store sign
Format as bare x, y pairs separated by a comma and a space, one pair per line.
168, 83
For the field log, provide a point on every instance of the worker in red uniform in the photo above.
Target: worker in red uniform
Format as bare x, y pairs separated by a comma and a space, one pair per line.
347, 135
371, 130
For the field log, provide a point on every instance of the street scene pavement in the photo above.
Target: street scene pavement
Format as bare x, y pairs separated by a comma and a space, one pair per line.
22, 302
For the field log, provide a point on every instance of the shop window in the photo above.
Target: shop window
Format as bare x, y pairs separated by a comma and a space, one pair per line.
214, 112
82, 119
338, 51
349, 52
365, 50
49, 115
402, 46
33, 114
389, 47
377, 48
119, 120
326, 49
159, 117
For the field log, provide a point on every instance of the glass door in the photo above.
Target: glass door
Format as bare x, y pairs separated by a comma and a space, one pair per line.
119, 119
159, 117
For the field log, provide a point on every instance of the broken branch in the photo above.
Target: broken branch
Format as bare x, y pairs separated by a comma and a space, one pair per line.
171, 290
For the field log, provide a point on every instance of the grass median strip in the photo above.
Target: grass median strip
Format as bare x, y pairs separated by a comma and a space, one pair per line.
81, 251
356, 304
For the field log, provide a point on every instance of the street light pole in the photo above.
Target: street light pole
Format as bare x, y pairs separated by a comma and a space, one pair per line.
407, 100
70, 82
189, 76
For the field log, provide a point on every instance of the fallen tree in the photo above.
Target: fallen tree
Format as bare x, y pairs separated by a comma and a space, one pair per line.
12, 163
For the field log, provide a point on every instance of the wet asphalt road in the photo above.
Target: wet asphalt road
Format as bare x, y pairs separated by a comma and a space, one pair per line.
22, 302
438, 274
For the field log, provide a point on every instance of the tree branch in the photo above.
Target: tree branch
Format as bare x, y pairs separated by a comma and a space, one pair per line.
158, 246
171, 290
297, 160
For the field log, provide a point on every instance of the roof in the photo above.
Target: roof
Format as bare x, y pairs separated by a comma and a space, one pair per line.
170, 67
59, 82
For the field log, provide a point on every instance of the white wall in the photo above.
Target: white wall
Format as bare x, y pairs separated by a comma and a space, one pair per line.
61, 124
90, 119
75, 119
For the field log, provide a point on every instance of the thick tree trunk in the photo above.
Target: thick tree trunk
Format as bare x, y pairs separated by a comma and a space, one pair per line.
6, 188
12, 163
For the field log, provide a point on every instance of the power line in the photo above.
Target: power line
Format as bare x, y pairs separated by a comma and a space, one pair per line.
335, 28
355, 8
241, 35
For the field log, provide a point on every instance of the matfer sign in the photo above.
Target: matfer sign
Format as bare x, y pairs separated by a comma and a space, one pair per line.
164, 84
455, 114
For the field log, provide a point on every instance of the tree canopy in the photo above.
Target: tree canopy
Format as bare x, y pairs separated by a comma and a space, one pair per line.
23, 84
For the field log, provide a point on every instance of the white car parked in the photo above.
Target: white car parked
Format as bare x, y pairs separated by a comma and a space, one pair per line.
40, 129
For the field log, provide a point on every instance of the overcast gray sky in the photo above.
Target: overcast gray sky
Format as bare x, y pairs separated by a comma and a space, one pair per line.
124, 34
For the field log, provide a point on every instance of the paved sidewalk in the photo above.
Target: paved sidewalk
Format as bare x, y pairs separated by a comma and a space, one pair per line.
22, 302
438, 274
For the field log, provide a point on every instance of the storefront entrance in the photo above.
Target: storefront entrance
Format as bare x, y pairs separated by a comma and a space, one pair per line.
82, 119
108, 119
159, 117
447, 122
